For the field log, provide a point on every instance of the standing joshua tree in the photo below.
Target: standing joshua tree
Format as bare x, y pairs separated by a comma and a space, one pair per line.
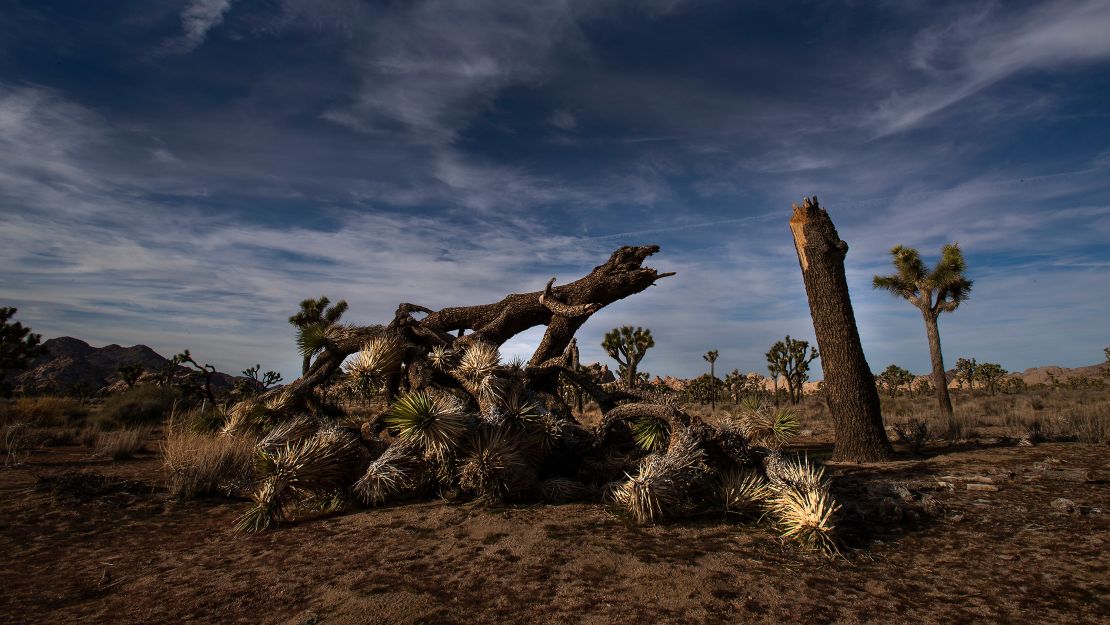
628, 346
711, 358
312, 322
933, 292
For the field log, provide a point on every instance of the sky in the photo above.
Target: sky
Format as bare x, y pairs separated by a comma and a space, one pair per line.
181, 174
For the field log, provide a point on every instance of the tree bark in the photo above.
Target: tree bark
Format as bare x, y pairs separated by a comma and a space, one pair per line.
940, 379
850, 390
562, 309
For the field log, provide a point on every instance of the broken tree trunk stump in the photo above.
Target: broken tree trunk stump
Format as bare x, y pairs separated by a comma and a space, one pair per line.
850, 390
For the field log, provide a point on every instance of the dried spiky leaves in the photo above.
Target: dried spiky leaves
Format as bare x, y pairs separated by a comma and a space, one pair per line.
379, 357
494, 467
312, 467
806, 516
478, 362
743, 491
664, 483
801, 503
395, 472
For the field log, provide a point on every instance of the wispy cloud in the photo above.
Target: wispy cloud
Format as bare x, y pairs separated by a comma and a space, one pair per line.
197, 19
981, 47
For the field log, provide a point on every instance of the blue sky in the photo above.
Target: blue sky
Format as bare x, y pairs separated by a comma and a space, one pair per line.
181, 174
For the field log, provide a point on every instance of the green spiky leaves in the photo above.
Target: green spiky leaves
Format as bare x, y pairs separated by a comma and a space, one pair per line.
651, 433
437, 424
773, 427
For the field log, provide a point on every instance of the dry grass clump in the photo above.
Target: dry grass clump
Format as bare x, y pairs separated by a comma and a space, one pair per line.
144, 404
121, 444
204, 465
42, 411
16, 441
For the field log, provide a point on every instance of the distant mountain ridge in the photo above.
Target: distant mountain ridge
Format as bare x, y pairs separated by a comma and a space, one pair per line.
68, 362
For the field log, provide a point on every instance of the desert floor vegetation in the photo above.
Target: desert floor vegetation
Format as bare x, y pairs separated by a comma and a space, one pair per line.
950, 534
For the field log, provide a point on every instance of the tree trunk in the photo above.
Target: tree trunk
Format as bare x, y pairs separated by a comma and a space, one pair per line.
940, 380
306, 362
712, 386
562, 309
850, 389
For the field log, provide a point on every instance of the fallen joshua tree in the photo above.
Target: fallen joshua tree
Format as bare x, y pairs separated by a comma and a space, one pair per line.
462, 424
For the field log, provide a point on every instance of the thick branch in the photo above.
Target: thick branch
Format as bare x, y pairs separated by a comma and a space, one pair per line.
620, 276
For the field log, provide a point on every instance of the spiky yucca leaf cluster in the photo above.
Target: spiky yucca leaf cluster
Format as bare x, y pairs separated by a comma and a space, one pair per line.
494, 467
441, 357
396, 471
313, 467
479, 361
437, 424
801, 503
773, 427
379, 357
806, 516
562, 490
743, 491
651, 433
663, 485
285, 434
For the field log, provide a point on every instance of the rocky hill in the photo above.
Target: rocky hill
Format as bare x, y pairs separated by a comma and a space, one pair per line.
69, 362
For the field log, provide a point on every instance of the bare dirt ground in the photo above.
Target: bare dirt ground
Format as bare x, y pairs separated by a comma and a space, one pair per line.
960, 535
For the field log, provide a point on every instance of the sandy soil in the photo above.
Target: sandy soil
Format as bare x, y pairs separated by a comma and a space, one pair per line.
921, 547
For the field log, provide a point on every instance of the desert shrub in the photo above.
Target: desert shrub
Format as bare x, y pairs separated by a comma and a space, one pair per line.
89, 435
954, 427
203, 465
205, 419
141, 405
913, 432
121, 444
42, 411
16, 441
1087, 423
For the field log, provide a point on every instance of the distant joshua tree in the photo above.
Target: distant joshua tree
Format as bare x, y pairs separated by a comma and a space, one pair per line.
266, 380
628, 346
966, 372
131, 373
893, 378
203, 372
312, 322
990, 374
788, 358
711, 358
933, 292
1106, 365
